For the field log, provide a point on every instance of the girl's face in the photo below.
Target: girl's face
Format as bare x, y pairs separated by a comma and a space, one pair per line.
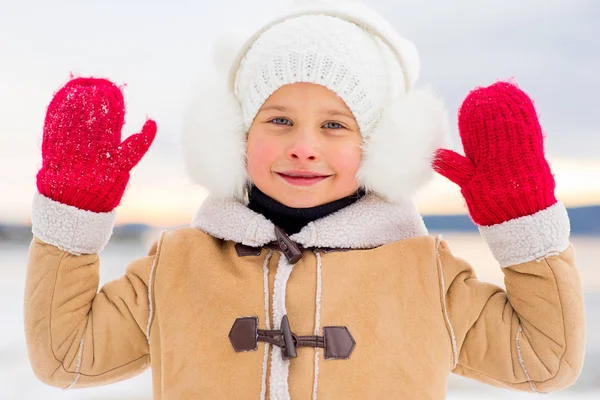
304, 146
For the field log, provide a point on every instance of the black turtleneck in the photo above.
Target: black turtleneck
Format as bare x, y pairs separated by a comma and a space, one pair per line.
292, 220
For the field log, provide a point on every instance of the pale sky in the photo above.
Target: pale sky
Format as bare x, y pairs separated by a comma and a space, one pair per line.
160, 49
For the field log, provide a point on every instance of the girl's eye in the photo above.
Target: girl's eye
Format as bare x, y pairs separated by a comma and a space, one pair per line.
281, 121
333, 125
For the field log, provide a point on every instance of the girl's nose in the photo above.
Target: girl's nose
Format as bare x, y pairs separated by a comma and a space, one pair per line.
303, 147
302, 153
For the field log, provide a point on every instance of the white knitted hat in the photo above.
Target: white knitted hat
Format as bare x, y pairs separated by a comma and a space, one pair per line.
325, 50
344, 46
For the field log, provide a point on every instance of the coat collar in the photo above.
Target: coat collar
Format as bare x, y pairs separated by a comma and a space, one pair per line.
368, 223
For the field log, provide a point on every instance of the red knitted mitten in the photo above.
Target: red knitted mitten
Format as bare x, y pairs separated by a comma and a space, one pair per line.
85, 165
504, 174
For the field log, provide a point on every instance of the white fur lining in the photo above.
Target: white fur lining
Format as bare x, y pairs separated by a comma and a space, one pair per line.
263, 382
369, 222
444, 305
69, 228
529, 238
278, 382
150, 303
229, 219
317, 323
521, 359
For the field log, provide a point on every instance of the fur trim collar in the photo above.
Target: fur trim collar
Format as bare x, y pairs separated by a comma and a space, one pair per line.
369, 222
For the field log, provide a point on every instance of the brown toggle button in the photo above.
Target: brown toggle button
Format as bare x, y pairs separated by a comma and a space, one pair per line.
287, 246
244, 335
290, 249
243, 250
289, 350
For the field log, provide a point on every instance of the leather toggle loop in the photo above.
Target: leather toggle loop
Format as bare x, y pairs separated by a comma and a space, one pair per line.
244, 335
287, 246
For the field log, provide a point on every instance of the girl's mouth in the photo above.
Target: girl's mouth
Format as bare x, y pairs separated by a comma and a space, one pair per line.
302, 178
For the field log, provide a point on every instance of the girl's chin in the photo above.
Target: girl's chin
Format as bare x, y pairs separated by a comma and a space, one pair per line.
305, 198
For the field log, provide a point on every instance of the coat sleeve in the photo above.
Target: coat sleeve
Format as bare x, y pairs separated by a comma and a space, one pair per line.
531, 336
77, 335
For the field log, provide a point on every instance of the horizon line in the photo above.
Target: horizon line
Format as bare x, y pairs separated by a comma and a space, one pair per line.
181, 222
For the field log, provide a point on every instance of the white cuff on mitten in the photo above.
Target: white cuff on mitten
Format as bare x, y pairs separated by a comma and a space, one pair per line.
69, 228
529, 238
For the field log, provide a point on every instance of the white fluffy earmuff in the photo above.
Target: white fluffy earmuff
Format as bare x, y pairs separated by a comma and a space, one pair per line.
397, 157
214, 138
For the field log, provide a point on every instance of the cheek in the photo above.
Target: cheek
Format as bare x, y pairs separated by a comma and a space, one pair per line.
346, 160
261, 154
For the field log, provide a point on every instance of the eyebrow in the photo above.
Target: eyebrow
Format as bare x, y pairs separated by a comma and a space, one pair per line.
339, 113
330, 112
278, 108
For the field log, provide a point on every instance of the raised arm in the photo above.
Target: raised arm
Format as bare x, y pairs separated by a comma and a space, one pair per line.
77, 335
531, 336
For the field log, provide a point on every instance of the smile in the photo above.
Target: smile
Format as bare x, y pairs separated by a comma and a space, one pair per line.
302, 178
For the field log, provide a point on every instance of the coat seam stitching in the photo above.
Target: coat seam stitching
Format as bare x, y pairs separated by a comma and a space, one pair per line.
79, 356
521, 361
61, 362
444, 305
562, 314
495, 378
107, 371
150, 283
545, 259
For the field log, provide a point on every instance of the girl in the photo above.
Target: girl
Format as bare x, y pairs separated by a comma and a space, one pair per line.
308, 272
